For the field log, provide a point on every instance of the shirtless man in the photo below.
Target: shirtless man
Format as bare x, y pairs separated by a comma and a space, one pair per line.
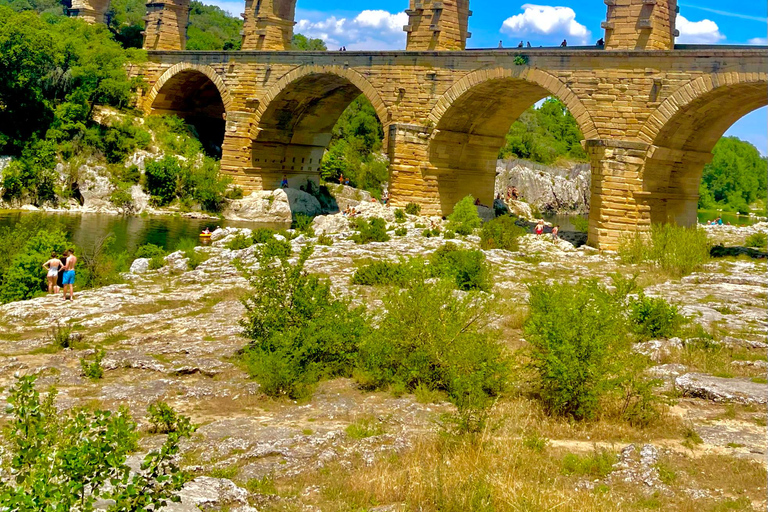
69, 274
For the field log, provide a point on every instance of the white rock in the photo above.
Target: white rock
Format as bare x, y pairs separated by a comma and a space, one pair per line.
139, 266
30, 207
548, 188
272, 206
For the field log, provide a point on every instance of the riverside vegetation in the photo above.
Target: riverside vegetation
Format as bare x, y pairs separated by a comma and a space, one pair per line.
469, 373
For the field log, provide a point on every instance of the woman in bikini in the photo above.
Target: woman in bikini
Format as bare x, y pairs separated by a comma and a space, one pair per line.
53, 266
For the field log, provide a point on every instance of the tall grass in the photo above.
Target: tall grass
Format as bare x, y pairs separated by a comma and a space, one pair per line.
675, 249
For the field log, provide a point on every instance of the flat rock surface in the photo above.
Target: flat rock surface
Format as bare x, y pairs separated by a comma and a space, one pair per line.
718, 389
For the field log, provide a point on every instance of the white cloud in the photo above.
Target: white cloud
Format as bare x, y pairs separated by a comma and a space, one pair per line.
698, 32
544, 20
369, 30
760, 41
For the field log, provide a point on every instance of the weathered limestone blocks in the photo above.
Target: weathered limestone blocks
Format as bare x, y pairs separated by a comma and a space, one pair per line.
166, 25
268, 24
640, 24
92, 11
437, 25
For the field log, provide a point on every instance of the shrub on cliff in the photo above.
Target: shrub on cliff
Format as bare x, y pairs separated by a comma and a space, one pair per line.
467, 268
369, 230
299, 332
464, 219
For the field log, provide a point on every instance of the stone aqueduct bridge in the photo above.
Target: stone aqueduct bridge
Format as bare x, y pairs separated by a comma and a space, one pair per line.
650, 111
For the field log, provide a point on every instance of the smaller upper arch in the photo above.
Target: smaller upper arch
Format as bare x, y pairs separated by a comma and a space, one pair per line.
534, 76
187, 67
353, 77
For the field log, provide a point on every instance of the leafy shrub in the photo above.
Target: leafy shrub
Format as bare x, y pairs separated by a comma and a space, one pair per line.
101, 265
299, 331
388, 273
82, 454
433, 338
449, 234
413, 209
597, 464
429, 233
654, 317
161, 179
466, 267
205, 184
501, 233
399, 216
92, 369
464, 219
275, 248
194, 257
303, 224
401, 232
156, 262
164, 420
240, 241
521, 60
370, 230
234, 193
61, 335
262, 235
324, 240
131, 174
121, 197
758, 240
580, 223
675, 249
574, 332
149, 251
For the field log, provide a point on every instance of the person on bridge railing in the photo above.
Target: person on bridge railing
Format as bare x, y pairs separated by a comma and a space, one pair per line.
520, 45
528, 44
564, 43
601, 42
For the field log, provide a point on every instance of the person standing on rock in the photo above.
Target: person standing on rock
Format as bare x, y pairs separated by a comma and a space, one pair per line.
53, 266
539, 228
68, 280
555, 231
284, 183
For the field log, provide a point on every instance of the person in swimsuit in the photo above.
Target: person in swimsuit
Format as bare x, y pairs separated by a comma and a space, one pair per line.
69, 274
555, 231
540, 228
53, 266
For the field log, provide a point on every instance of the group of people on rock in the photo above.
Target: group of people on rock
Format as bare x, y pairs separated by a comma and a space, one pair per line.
61, 273
717, 222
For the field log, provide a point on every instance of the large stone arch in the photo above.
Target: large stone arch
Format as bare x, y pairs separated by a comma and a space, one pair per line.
197, 94
293, 121
683, 130
470, 121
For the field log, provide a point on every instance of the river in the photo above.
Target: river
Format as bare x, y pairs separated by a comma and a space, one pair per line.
86, 229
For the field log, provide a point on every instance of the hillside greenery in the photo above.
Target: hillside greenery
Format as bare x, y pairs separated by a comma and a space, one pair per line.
735, 178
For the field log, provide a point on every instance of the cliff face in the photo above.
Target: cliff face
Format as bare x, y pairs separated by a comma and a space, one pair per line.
550, 189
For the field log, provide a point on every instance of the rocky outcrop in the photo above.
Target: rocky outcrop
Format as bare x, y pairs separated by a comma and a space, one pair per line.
718, 389
550, 189
273, 206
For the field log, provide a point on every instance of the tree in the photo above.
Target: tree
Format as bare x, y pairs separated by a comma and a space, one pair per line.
211, 28
735, 177
304, 43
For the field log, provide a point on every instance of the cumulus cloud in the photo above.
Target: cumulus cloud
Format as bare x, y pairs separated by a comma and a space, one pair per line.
551, 22
369, 30
760, 41
698, 32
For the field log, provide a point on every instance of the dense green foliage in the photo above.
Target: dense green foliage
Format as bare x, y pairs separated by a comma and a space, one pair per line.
735, 178
303, 43
369, 230
354, 152
70, 460
653, 317
580, 340
544, 135
467, 268
299, 331
211, 28
464, 219
387, 273
757, 240
674, 249
501, 233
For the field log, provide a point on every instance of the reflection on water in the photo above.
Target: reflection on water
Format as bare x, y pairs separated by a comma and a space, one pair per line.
130, 232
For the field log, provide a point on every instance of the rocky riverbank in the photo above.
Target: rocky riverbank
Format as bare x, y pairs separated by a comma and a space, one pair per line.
173, 334
547, 188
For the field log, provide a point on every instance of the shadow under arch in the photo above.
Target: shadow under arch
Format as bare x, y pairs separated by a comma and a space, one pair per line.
197, 94
682, 133
294, 120
471, 120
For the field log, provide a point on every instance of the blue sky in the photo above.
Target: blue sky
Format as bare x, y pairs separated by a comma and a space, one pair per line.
377, 24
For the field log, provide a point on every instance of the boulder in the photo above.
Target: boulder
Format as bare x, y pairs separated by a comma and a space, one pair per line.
95, 189
272, 206
348, 196
550, 189
206, 493
139, 266
139, 199
29, 207
520, 209
718, 389
326, 224
657, 350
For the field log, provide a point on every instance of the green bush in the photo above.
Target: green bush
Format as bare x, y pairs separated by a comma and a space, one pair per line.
758, 240
464, 219
303, 224
401, 232
206, 185
654, 317
369, 230
501, 233
466, 267
82, 454
262, 235
240, 241
324, 240
61, 335
150, 251
101, 265
234, 193
92, 369
388, 273
596, 465
429, 233
413, 209
449, 234
161, 179
574, 334
431, 338
299, 332
580, 223
194, 257
675, 249
156, 262
164, 420
399, 216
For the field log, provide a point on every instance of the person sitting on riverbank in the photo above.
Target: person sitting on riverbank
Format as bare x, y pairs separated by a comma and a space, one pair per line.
53, 266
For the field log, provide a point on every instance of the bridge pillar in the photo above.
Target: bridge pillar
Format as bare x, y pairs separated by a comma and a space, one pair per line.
437, 25
268, 24
409, 180
618, 203
236, 152
166, 25
92, 11
640, 24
